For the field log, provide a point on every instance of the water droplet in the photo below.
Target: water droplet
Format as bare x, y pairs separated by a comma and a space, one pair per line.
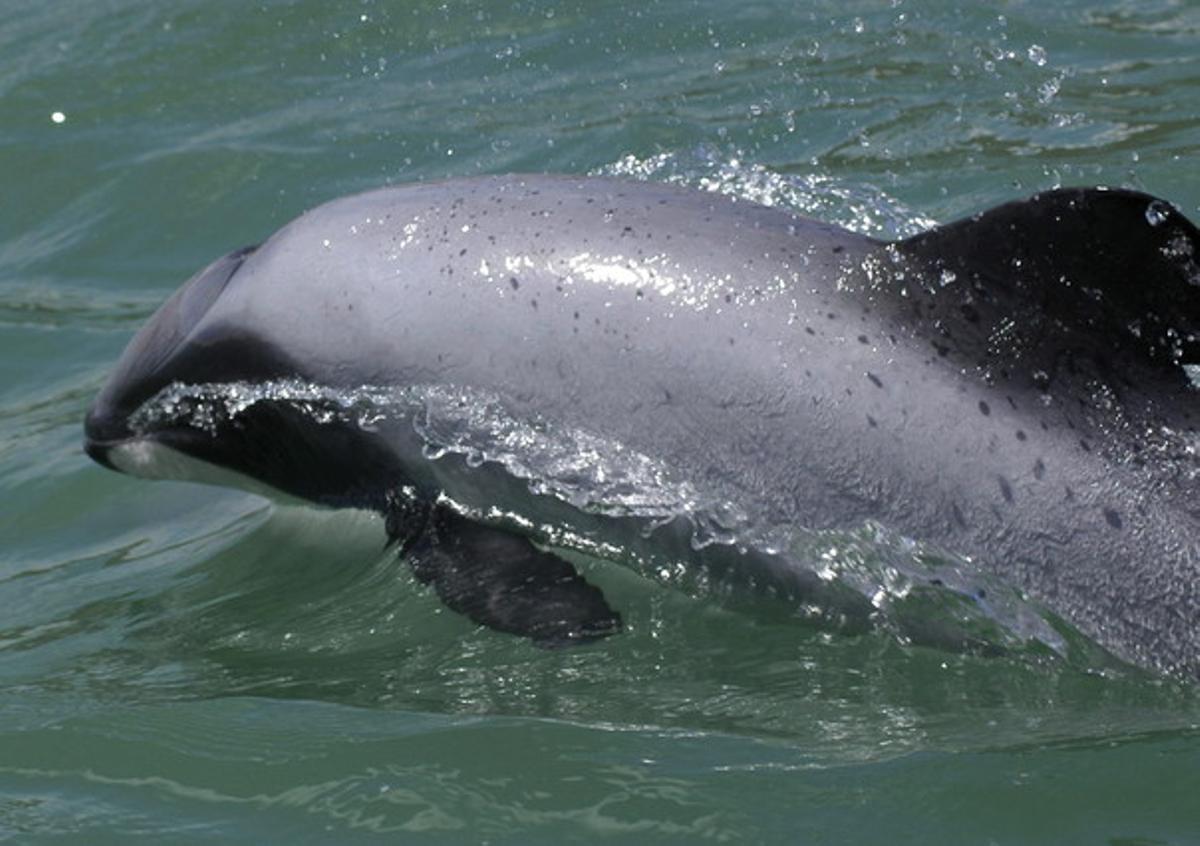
1157, 213
1037, 54
1049, 89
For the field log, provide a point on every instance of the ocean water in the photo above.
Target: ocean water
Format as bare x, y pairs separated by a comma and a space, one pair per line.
188, 664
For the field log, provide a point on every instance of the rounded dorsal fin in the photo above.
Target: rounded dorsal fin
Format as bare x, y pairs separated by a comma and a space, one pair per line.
1108, 269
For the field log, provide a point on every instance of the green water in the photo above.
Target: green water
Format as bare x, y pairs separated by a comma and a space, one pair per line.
185, 664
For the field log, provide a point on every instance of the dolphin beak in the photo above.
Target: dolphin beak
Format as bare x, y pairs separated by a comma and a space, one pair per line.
103, 428
98, 452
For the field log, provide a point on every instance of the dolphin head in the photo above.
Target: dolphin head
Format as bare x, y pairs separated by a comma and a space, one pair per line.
164, 351
178, 345
274, 446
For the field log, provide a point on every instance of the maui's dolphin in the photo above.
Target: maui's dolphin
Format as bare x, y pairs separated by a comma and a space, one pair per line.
1008, 387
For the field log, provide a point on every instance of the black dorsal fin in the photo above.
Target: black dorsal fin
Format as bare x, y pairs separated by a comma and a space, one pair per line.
1089, 268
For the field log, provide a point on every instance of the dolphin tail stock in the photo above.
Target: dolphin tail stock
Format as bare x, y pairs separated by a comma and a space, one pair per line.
496, 578
1118, 270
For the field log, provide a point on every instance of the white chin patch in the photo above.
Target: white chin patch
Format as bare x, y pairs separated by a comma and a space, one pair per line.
151, 460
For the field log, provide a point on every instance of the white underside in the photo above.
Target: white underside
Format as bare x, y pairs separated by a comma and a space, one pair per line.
149, 459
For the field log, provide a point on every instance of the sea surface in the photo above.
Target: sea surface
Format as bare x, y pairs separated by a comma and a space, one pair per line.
186, 664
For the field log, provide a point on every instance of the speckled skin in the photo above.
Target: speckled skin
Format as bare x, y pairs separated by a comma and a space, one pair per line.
976, 387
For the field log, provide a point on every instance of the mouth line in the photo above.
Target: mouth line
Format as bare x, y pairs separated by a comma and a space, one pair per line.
98, 450
102, 449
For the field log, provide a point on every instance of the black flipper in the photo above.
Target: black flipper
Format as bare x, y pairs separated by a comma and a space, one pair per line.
498, 579
1104, 271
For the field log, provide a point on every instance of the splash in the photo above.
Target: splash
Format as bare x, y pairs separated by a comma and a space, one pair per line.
857, 207
908, 583
591, 473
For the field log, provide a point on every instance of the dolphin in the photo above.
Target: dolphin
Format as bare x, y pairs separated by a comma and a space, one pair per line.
507, 367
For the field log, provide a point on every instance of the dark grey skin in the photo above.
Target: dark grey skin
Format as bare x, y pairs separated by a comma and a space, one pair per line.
1008, 387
